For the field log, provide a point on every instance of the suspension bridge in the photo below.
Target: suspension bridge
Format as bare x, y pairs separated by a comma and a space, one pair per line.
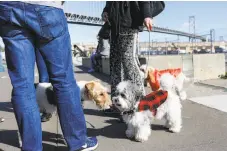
87, 15
97, 21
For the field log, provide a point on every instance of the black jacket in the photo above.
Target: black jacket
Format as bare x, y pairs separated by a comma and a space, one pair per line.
128, 14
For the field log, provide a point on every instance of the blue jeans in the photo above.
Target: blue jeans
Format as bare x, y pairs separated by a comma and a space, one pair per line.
42, 69
1, 66
93, 61
24, 29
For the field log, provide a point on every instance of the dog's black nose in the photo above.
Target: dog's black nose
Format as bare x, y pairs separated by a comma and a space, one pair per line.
115, 100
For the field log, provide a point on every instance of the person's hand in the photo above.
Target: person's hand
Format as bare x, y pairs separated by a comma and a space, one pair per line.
148, 23
105, 16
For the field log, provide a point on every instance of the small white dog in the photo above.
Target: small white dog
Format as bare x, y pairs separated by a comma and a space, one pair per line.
146, 73
138, 112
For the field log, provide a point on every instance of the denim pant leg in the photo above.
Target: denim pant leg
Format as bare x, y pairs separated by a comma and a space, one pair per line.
50, 32
20, 57
1, 66
55, 47
67, 92
93, 62
42, 69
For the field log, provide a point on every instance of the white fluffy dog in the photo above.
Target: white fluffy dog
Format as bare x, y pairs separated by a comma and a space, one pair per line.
138, 115
181, 79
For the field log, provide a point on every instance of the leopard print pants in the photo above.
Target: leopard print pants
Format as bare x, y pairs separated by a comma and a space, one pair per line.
123, 60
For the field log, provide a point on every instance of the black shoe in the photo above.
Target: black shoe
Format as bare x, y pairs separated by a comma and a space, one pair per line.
46, 117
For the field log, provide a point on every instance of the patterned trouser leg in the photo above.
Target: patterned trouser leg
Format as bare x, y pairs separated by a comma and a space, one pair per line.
123, 63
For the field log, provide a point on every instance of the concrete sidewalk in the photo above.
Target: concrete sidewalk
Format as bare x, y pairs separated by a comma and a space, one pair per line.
204, 129
219, 83
218, 102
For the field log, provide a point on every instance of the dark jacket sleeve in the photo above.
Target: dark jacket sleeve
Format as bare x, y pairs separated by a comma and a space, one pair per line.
145, 7
107, 7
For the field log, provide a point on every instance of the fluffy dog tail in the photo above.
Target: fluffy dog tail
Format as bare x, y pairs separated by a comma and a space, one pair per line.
186, 79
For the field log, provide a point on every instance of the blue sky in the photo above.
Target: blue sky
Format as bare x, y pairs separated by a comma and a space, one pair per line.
175, 16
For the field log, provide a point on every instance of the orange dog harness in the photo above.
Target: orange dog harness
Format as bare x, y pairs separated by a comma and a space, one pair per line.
154, 76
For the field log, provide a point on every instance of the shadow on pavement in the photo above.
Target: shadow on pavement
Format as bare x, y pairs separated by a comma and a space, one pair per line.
115, 130
156, 127
100, 113
49, 147
97, 75
212, 86
80, 72
10, 137
6, 106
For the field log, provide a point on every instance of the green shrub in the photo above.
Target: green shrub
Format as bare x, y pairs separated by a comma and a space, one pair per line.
223, 76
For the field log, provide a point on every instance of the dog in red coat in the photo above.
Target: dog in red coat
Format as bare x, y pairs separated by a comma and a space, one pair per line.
139, 111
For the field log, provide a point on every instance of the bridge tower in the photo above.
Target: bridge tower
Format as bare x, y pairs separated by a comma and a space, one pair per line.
221, 38
212, 39
192, 30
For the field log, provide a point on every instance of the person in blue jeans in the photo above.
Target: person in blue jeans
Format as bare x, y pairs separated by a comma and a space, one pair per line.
93, 61
24, 28
1, 66
43, 78
42, 69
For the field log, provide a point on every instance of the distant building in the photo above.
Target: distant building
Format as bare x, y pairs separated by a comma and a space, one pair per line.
183, 47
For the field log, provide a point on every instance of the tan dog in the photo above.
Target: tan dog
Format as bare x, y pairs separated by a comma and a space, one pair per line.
152, 77
95, 91
90, 91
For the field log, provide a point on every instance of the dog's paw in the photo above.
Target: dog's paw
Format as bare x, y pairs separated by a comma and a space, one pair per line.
140, 138
129, 133
20, 143
19, 139
183, 96
175, 129
167, 125
46, 117
143, 133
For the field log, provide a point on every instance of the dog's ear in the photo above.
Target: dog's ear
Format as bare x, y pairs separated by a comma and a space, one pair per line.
151, 76
90, 86
107, 90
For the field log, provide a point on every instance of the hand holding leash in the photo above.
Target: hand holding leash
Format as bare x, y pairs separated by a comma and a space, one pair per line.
148, 23
105, 16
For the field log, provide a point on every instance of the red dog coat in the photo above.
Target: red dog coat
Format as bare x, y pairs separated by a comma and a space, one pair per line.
152, 101
154, 76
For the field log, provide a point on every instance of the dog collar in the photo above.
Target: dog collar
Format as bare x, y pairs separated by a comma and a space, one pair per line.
129, 112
